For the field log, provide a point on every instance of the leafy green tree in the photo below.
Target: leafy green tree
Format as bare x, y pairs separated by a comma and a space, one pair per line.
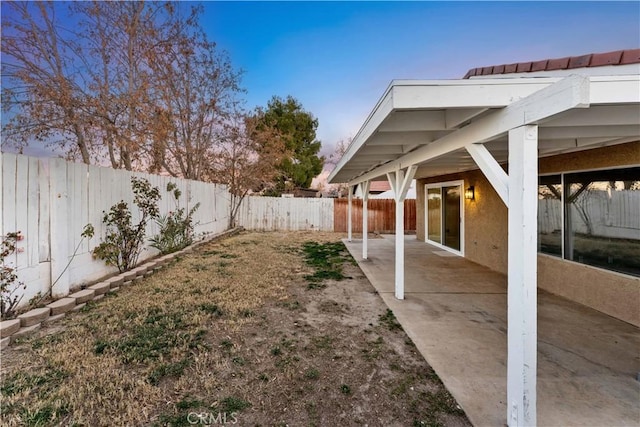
297, 129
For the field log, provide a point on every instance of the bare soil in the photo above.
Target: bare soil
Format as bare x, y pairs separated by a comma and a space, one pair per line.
244, 330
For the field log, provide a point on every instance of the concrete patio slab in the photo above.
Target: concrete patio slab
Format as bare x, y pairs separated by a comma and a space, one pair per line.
455, 312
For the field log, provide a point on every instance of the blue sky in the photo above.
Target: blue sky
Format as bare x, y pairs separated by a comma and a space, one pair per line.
337, 58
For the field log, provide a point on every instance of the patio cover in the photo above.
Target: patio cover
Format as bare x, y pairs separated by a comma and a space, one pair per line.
424, 128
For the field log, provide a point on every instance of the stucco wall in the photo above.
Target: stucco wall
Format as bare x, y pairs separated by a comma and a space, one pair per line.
486, 236
609, 292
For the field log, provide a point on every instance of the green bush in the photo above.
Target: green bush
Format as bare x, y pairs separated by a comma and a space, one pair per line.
124, 240
9, 285
176, 227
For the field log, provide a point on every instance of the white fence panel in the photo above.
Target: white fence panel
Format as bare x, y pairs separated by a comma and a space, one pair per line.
286, 214
50, 201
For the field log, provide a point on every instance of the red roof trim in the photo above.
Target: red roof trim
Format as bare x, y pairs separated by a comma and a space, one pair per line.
619, 57
630, 57
523, 67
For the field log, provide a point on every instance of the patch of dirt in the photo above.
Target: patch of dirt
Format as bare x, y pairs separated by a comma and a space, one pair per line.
241, 331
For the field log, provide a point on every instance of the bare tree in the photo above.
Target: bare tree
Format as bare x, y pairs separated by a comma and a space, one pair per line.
247, 159
118, 38
196, 91
339, 190
136, 83
44, 93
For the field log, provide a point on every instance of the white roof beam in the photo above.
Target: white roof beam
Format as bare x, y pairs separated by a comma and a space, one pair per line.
412, 121
399, 138
572, 92
598, 116
491, 169
381, 149
455, 117
546, 133
406, 183
615, 89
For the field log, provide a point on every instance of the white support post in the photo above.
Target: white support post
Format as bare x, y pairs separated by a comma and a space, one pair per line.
399, 175
400, 182
365, 217
349, 200
522, 276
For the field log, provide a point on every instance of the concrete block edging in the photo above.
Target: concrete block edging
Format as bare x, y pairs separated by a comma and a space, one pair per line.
31, 321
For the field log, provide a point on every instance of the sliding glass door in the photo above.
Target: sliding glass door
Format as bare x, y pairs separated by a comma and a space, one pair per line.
452, 217
444, 215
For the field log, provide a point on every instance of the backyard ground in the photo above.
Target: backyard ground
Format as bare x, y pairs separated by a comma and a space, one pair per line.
261, 329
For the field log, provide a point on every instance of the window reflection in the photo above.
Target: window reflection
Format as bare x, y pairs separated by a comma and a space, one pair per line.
550, 215
602, 219
592, 218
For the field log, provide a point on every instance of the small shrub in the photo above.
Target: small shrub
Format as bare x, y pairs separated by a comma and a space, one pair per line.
345, 389
9, 284
124, 240
176, 227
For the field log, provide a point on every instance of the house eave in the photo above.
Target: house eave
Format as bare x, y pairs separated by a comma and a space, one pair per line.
415, 113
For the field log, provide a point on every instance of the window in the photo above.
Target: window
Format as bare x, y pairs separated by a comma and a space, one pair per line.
550, 215
434, 222
592, 218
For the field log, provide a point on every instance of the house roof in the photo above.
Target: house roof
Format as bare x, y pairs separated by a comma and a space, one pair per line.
379, 186
435, 123
618, 57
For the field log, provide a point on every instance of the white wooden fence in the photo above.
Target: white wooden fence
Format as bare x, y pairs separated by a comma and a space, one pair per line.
275, 213
612, 214
50, 201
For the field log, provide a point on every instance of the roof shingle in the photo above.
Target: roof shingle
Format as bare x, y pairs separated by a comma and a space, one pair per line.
619, 57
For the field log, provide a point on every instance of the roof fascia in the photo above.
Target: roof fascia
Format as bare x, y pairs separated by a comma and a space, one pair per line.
398, 96
615, 89
568, 93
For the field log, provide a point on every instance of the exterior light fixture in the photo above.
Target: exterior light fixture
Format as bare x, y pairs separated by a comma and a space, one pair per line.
469, 193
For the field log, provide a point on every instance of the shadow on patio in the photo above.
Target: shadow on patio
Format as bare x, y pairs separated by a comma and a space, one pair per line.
455, 312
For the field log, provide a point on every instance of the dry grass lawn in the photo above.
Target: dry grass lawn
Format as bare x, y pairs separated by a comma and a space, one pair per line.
260, 329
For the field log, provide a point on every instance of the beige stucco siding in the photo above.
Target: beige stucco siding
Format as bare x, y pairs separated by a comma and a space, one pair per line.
486, 235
